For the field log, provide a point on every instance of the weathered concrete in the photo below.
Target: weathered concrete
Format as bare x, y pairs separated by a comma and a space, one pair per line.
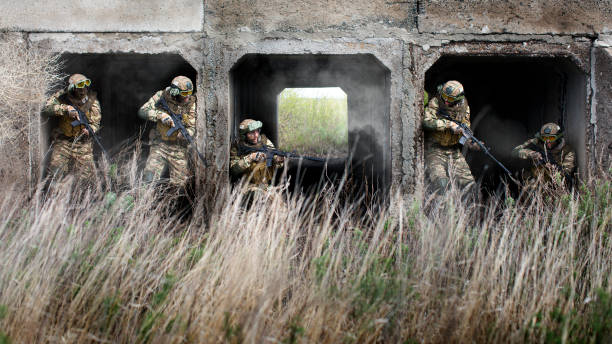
223, 16
407, 37
576, 113
388, 51
601, 109
516, 16
102, 16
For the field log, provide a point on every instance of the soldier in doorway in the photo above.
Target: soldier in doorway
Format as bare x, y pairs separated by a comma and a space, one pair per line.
72, 145
553, 159
170, 152
253, 164
442, 137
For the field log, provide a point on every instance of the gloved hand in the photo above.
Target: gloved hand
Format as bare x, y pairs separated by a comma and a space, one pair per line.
71, 112
256, 156
166, 119
455, 128
84, 132
180, 137
535, 156
473, 145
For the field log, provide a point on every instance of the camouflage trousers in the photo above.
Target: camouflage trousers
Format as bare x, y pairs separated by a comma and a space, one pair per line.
174, 157
440, 162
69, 156
260, 176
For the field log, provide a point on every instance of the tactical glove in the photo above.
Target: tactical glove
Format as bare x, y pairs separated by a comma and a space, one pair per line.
166, 119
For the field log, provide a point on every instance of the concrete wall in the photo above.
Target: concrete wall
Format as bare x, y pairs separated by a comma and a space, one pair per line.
102, 16
407, 36
601, 111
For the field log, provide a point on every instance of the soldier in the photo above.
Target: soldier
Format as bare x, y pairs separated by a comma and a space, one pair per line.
170, 152
550, 154
442, 147
72, 146
253, 164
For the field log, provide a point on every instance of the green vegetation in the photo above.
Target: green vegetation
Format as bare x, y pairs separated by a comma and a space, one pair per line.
312, 126
80, 265
300, 269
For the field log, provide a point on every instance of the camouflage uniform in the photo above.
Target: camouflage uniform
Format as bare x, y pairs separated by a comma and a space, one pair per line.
241, 164
562, 153
172, 151
73, 151
442, 148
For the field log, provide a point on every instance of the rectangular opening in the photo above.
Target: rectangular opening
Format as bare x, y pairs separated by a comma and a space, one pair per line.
313, 121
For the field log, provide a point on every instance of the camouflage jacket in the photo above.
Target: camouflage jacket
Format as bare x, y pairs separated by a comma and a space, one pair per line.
241, 163
436, 127
151, 111
56, 106
563, 154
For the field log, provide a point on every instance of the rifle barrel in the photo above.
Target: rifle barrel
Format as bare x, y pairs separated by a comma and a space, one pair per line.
468, 132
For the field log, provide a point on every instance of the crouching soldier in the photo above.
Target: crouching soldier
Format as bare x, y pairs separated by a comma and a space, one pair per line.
442, 137
253, 164
553, 159
170, 152
72, 145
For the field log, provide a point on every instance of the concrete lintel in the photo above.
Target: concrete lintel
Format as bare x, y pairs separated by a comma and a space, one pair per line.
577, 52
103, 16
185, 44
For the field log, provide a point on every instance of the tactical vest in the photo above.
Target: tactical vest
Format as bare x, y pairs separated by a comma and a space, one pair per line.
180, 109
65, 125
446, 137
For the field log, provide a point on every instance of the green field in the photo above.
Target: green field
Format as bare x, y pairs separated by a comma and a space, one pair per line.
313, 126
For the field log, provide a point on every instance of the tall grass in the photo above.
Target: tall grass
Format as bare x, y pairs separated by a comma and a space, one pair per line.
79, 265
25, 76
305, 269
313, 126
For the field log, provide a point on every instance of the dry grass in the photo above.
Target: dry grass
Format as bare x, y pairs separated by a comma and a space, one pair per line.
123, 267
298, 269
25, 77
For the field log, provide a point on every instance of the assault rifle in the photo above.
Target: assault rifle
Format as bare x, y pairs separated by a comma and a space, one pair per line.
178, 125
271, 152
469, 135
82, 120
548, 159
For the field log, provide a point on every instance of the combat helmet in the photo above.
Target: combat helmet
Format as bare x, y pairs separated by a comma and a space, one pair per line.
78, 81
550, 132
248, 125
451, 92
181, 85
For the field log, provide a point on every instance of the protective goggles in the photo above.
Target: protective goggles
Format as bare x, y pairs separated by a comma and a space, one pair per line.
83, 83
451, 99
185, 93
549, 138
251, 127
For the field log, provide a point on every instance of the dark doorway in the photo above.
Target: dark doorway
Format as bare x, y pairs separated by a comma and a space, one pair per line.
510, 99
123, 83
257, 80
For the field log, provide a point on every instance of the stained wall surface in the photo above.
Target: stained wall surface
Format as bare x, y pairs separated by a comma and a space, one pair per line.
102, 16
407, 37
